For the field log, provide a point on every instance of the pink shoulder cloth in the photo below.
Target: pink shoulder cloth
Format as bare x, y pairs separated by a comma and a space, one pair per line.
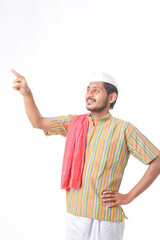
74, 154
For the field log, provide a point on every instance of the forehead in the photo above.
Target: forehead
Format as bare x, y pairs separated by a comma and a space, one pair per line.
96, 85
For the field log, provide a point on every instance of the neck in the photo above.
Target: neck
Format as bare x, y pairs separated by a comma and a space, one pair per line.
97, 115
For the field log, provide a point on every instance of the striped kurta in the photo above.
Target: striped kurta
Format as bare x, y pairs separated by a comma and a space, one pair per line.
109, 145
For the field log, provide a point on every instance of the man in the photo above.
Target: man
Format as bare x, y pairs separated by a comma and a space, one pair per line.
96, 153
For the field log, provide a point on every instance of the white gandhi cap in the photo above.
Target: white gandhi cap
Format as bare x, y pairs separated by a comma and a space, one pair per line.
98, 76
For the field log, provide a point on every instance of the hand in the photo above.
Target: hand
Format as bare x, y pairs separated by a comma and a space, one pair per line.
115, 197
20, 84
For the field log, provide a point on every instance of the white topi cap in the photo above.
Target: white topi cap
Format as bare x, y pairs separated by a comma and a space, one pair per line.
98, 76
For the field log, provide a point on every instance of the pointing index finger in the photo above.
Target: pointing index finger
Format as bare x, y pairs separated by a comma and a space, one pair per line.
15, 73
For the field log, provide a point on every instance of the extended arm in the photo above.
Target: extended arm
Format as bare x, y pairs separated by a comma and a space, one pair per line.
121, 199
32, 111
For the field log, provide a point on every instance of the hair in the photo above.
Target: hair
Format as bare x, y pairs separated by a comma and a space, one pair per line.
111, 89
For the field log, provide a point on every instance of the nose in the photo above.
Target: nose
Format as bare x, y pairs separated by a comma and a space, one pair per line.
90, 93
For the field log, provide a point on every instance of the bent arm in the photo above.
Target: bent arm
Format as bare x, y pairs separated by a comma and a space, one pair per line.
34, 115
150, 175
121, 199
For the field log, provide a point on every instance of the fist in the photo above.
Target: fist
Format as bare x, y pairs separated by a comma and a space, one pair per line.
20, 84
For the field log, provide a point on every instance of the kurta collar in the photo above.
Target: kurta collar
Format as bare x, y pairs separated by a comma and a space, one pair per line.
106, 117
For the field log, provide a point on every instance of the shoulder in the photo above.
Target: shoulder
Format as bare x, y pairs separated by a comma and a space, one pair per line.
81, 116
122, 122
125, 126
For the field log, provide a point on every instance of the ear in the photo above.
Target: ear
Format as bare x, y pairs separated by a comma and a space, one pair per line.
112, 97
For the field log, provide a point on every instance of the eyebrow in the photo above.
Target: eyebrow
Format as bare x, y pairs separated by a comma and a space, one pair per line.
93, 87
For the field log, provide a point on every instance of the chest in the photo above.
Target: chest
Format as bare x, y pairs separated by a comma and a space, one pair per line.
106, 143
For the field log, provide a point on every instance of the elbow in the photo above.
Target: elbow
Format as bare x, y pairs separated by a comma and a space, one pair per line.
36, 124
42, 123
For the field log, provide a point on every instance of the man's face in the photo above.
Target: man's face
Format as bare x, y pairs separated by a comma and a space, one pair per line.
96, 97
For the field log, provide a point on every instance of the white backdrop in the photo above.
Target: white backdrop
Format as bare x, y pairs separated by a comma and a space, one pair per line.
55, 44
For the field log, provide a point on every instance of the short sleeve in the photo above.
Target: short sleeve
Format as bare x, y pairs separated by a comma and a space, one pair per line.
140, 147
59, 125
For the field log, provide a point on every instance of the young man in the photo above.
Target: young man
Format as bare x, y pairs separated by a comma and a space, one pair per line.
97, 149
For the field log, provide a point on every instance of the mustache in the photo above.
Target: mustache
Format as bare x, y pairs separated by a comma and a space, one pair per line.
89, 98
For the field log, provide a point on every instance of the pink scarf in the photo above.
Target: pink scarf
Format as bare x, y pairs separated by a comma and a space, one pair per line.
74, 154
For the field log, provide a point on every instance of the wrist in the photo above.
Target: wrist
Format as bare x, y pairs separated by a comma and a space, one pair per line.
131, 196
28, 93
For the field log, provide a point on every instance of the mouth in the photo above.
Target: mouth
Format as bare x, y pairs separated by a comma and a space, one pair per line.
90, 100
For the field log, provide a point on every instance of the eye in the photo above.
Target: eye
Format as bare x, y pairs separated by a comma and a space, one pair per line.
96, 91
